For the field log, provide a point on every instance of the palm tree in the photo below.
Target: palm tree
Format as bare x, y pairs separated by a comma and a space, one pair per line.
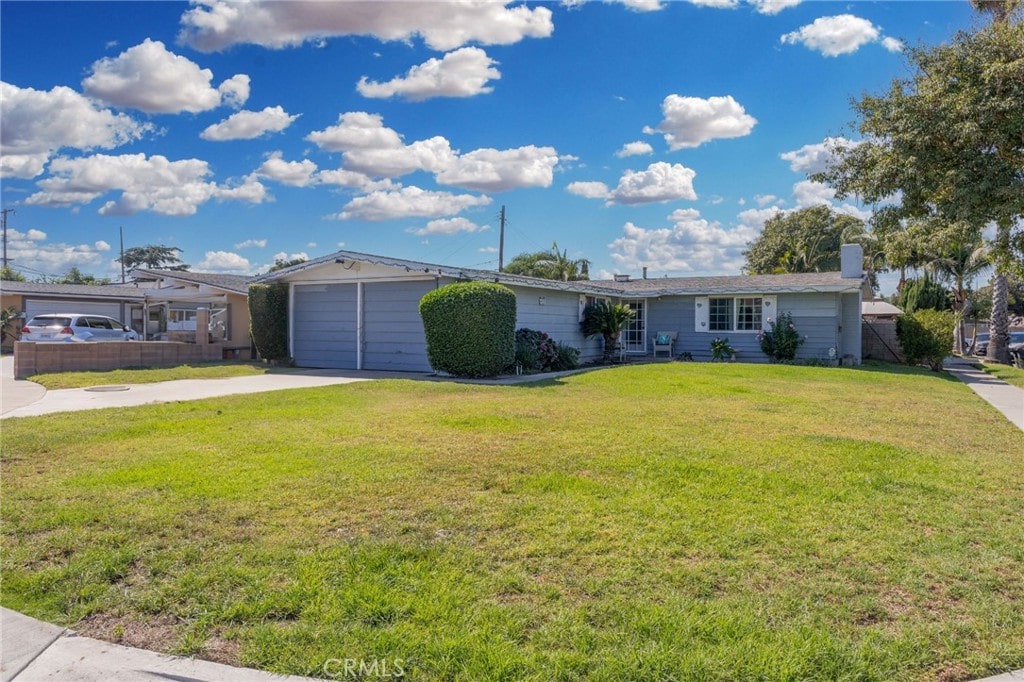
607, 320
553, 264
959, 264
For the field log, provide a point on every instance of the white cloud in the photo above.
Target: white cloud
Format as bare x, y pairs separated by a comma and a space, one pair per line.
892, 44
150, 78
660, 182
488, 249
354, 180
693, 245
773, 6
833, 36
30, 251
217, 24
491, 170
36, 123
765, 199
234, 91
634, 149
356, 130
408, 202
155, 184
224, 262
248, 125
809, 193
589, 190
294, 173
692, 121
252, 243
643, 5
814, 158
755, 218
717, 4
450, 226
463, 73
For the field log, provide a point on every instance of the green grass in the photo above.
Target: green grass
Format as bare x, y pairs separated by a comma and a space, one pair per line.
1008, 373
147, 375
681, 521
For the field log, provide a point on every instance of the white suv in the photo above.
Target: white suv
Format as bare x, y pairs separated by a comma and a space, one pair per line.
76, 327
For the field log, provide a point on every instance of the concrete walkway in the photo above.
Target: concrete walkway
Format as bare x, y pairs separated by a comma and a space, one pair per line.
1006, 398
34, 651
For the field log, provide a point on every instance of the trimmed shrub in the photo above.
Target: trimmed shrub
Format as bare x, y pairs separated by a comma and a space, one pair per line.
538, 352
925, 337
268, 319
470, 328
781, 342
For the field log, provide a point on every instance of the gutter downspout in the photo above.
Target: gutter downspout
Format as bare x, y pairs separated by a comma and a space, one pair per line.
359, 325
291, 320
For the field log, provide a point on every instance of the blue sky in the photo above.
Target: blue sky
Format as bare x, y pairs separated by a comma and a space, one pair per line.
633, 133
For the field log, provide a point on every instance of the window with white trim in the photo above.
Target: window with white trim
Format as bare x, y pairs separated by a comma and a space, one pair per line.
735, 314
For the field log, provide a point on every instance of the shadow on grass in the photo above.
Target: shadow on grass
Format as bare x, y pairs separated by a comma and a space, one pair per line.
882, 367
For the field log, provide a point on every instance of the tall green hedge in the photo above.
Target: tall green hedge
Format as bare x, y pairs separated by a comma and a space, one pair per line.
470, 328
268, 319
926, 337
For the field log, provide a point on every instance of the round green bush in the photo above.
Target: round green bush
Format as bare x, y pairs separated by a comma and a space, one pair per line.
926, 337
470, 328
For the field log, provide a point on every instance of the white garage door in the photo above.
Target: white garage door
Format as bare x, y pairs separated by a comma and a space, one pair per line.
35, 307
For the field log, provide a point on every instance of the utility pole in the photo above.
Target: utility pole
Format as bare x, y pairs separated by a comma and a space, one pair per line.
121, 230
501, 241
5, 259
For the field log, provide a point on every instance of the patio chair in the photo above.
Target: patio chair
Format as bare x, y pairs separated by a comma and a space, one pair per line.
663, 342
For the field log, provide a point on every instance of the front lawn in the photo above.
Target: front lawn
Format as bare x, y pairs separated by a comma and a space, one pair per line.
661, 522
148, 375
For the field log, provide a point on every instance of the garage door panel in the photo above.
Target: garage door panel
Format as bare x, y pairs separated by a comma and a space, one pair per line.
325, 326
393, 330
35, 307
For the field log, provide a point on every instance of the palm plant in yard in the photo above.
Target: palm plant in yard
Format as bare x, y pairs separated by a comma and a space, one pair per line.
958, 263
607, 320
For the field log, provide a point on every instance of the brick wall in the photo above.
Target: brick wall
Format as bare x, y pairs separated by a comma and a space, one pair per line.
42, 358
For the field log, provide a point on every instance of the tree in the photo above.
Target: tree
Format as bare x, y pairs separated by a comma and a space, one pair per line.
607, 320
957, 257
553, 264
76, 276
9, 274
282, 263
949, 142
154, 256
807, 240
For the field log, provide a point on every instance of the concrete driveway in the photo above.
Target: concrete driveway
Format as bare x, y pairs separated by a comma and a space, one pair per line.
26, 399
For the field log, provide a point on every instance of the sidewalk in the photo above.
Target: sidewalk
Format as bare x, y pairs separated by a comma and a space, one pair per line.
34, 651
1006, 398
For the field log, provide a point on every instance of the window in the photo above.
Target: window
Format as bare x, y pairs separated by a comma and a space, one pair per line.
734, 314
720, 314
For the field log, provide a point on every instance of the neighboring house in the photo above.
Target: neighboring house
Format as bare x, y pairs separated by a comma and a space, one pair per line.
122, 302
359, 311
158, 303
879, 310
172, 298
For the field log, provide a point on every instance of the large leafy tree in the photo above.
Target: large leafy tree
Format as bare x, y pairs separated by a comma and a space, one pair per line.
155, 256
807, 240
552, 264
76, 276
949, 143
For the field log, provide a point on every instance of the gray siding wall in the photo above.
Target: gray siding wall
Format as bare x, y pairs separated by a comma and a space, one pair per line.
850, 320
814, 315
325, 326
558, 317
393, 329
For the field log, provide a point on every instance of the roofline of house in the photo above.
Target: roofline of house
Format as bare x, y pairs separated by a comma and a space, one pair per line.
609, 289
183, 276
